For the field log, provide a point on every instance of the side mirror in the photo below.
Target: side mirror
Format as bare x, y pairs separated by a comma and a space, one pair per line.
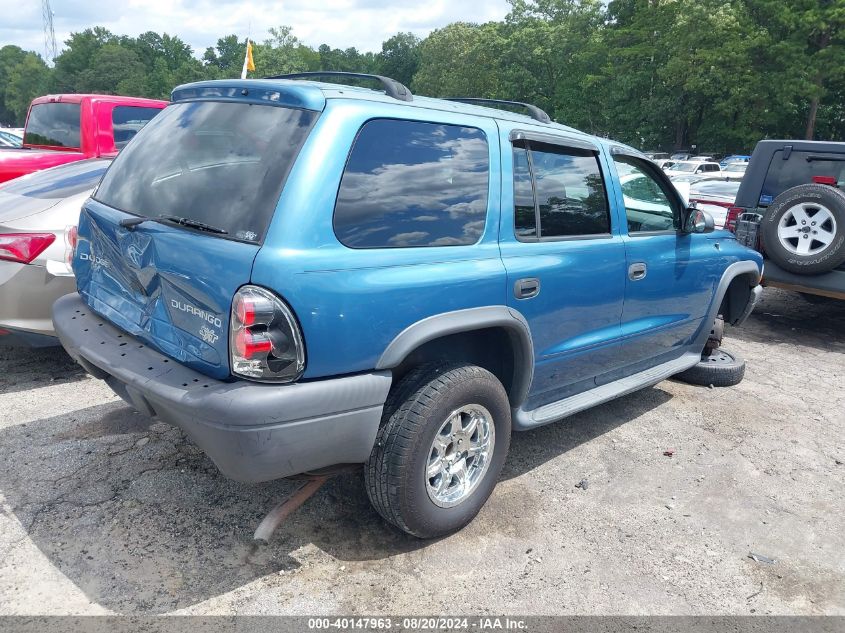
698, 221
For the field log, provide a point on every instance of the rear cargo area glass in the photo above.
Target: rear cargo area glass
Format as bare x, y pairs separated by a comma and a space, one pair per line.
53, 124
220, 163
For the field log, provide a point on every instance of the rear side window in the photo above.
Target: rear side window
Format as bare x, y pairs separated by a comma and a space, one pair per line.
569, 197
216, 162
799, 169
55, 124
128, 120
409, 183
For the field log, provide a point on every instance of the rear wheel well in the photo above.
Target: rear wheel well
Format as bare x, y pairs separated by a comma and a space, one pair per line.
490, 348
736, 297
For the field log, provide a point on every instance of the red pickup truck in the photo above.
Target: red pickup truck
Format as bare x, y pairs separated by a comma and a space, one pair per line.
65, 128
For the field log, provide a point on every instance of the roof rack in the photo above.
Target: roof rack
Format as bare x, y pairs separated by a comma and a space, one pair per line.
391, 87
533, 111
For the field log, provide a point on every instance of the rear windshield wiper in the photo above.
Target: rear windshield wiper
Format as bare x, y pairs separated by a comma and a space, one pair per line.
129, 223
192, 224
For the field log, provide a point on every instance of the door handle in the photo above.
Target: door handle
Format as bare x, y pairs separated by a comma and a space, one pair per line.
637, 271
526, 288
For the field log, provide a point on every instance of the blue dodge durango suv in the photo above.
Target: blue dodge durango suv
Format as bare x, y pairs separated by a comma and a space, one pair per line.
303, 274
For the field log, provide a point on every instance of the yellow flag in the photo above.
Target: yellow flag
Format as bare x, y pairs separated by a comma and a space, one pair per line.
250, 64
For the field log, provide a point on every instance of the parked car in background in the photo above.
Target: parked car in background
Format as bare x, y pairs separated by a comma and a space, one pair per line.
65, 128
692, 168
734, 158
734, 170
702, 159
715, 196
656, 156
38, 217
682, 155
791, 207
303, 275
8, 138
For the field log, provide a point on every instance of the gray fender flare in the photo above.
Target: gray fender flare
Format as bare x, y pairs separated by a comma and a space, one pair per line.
733, 271
440, 325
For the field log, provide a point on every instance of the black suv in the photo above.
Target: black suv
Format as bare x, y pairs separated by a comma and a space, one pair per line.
791, 207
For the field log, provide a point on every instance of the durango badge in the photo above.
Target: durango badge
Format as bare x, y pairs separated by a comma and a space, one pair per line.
209, 317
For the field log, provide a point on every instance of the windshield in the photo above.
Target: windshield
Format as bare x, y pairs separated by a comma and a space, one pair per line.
716, 188
60, 182
219, 163
686, 167
54, 124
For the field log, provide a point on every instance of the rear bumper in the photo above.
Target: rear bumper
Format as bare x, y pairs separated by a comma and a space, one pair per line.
27, 293
830, 284
253, 432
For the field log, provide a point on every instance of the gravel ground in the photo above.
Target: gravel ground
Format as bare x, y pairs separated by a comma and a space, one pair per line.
105, 511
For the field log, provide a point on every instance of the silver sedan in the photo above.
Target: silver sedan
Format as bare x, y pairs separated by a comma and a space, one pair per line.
38, 217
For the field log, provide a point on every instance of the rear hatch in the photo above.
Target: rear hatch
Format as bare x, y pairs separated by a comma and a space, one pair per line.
195, 190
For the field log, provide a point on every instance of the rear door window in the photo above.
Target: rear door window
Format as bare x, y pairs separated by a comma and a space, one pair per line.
127, 121
799, 169
53, 124
568, 197
411, 183
220, 163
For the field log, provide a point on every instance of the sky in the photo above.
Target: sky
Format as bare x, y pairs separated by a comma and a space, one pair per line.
364, 24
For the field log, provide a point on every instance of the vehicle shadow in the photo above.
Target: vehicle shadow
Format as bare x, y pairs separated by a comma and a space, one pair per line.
21, 367
784, 317
141, 521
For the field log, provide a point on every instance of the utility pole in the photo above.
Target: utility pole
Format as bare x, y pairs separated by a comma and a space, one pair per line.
51, 51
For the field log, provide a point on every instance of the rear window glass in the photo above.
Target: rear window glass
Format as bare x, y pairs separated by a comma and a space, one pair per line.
220, 163
799, 169
128, 120
60, 182
409, 183
55, 124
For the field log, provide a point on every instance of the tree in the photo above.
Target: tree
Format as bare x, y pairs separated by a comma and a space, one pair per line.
461, 60
227, 58
26, 81
114, 69
400, 57
10, 57
78, 57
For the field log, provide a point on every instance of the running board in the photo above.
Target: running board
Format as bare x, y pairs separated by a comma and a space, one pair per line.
523, 420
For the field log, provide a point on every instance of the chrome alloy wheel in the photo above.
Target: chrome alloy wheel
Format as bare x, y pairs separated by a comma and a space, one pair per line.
460, 455
807, 228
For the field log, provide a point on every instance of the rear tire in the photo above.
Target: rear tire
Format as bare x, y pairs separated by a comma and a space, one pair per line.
719, 369
803, 230
420, 476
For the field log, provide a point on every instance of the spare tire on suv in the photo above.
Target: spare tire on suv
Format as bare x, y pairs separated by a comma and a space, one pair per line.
803, 230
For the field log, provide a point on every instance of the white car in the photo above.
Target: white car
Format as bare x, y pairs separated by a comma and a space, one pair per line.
693, 168
715, 197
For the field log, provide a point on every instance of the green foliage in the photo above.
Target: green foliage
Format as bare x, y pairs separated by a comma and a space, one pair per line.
716, 74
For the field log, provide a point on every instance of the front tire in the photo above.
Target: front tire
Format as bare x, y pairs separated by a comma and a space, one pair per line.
720, 368
444, 437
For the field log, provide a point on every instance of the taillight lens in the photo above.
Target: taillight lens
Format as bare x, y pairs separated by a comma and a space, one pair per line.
24, 247
825, 180
733, 215
264, 338
71, 240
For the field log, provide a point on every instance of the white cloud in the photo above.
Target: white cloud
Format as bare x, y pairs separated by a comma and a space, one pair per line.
364, 24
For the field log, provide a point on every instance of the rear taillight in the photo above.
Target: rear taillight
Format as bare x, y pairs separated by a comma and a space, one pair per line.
733, 215
825, 180
24, 247
71, 240
264, 339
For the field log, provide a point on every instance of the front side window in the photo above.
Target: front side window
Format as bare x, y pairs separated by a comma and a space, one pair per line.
128, 120
409, 183
53, 124
219, 163
568, 197
648, 202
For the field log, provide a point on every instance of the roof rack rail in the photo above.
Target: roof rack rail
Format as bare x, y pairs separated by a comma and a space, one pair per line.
391, 87
533, 111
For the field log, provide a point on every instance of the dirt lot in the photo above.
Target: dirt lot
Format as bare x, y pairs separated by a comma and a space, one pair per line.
105, 511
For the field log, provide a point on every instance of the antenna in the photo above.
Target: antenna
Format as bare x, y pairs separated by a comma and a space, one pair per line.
51, 51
